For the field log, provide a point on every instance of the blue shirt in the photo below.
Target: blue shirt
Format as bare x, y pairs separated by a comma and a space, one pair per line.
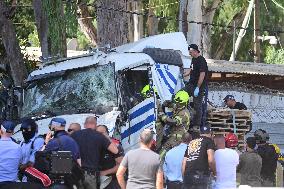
10, 158
63, 142
173, 163
28, 152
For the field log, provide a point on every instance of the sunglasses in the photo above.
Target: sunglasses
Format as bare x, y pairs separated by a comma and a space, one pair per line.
70, 130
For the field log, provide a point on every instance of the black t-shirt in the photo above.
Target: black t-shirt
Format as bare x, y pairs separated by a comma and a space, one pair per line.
198, 65
93, 146
108, 161
269, 161
240, 106
196, 154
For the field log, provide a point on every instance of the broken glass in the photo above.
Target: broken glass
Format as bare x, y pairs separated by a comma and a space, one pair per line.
78, 90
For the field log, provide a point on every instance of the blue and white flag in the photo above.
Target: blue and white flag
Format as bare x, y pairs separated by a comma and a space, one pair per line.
140, 117
167, 80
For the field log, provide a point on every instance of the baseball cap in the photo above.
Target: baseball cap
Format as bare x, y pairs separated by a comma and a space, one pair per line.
58, 122
206, 129
229, 97
28, 123
193, 46
8, 126
251, 142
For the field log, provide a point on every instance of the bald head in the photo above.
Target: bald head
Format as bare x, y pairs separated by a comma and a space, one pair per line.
74, 127
146, 137
220, 141
91, 123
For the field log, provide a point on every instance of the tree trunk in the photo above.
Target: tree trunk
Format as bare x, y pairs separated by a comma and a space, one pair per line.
194, 14
135, 21
86, 24
138, 20
42, 27
183, 25
152, 23
12, 47
112, 24
200, 34
63, 51
130, 5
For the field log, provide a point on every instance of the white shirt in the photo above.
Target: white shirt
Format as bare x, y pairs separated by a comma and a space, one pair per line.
226, 167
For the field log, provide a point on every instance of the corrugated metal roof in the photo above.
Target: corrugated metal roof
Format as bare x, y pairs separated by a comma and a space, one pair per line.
224, 66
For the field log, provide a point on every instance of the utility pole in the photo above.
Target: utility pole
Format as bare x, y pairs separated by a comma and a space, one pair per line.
256, 31
242, 32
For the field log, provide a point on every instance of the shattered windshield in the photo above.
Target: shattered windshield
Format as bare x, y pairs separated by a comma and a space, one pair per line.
91, 88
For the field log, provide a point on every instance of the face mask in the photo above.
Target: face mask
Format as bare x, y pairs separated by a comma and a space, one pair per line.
28, 135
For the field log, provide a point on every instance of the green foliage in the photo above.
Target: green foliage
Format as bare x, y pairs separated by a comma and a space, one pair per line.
223, 16
83, 42
56, 23
166, 8
33, 38
274, 56
272, 18
24, 22
71, 19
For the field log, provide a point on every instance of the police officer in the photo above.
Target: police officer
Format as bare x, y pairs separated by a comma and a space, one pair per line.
146, 93
269, 158
179, 122
59, 140
230, 101
32, 141
11, 155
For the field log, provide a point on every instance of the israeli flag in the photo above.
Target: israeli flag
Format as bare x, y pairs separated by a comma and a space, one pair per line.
140, 117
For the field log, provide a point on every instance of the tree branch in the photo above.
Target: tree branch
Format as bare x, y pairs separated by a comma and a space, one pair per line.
226, 35
85, 22
212, 7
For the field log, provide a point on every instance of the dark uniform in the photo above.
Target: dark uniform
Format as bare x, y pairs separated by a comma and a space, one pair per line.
198, 65
240, 106
63, 142
92, 146
269, 163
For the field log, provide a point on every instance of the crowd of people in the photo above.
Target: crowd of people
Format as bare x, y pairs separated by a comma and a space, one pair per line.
94, 152
199, 161
190, 157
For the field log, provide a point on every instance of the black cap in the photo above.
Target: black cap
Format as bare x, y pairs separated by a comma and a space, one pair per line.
193, 46
28, 123
251, 142
229, 97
